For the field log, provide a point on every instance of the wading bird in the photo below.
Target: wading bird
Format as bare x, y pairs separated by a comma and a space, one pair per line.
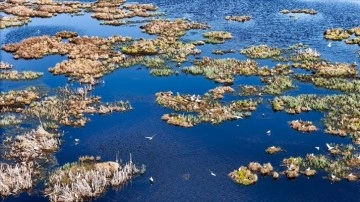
150, 137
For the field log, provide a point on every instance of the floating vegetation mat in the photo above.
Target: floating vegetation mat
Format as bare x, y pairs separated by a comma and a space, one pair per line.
204, 108
304, 11
339, 34
88, 178
36, 119
243, 18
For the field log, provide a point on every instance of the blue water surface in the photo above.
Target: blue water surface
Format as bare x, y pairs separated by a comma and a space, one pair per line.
179, 159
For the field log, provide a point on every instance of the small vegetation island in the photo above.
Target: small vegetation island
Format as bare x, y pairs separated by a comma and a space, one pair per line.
283, 99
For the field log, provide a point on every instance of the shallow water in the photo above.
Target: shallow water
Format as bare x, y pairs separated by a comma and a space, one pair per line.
180, 159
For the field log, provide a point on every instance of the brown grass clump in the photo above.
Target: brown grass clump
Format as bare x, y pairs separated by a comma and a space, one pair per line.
69, 107
273, 150
262, 51
216, 37
13, 21
15, 179
88, 178
238, 18
327, 69
169, 28
207, 109
224, 70
16, 100
90, 57
23, 11
168, 47
84, 70
303, 126
5, 66
15, 75
218, 92
136, 6
37, 47
66, 34
243, 176
304, 11
337, 34
35, 145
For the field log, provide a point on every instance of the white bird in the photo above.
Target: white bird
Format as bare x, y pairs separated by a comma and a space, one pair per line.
351, 175
238, 117
268, 132
329, 147
329, 45
212, 173
333, 177
151, 179
308, 169
150, 137
192, 98
272, 147
312, 154
318, 148
77, 140
291, 167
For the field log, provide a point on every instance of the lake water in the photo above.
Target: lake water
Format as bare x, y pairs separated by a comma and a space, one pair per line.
180, 159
